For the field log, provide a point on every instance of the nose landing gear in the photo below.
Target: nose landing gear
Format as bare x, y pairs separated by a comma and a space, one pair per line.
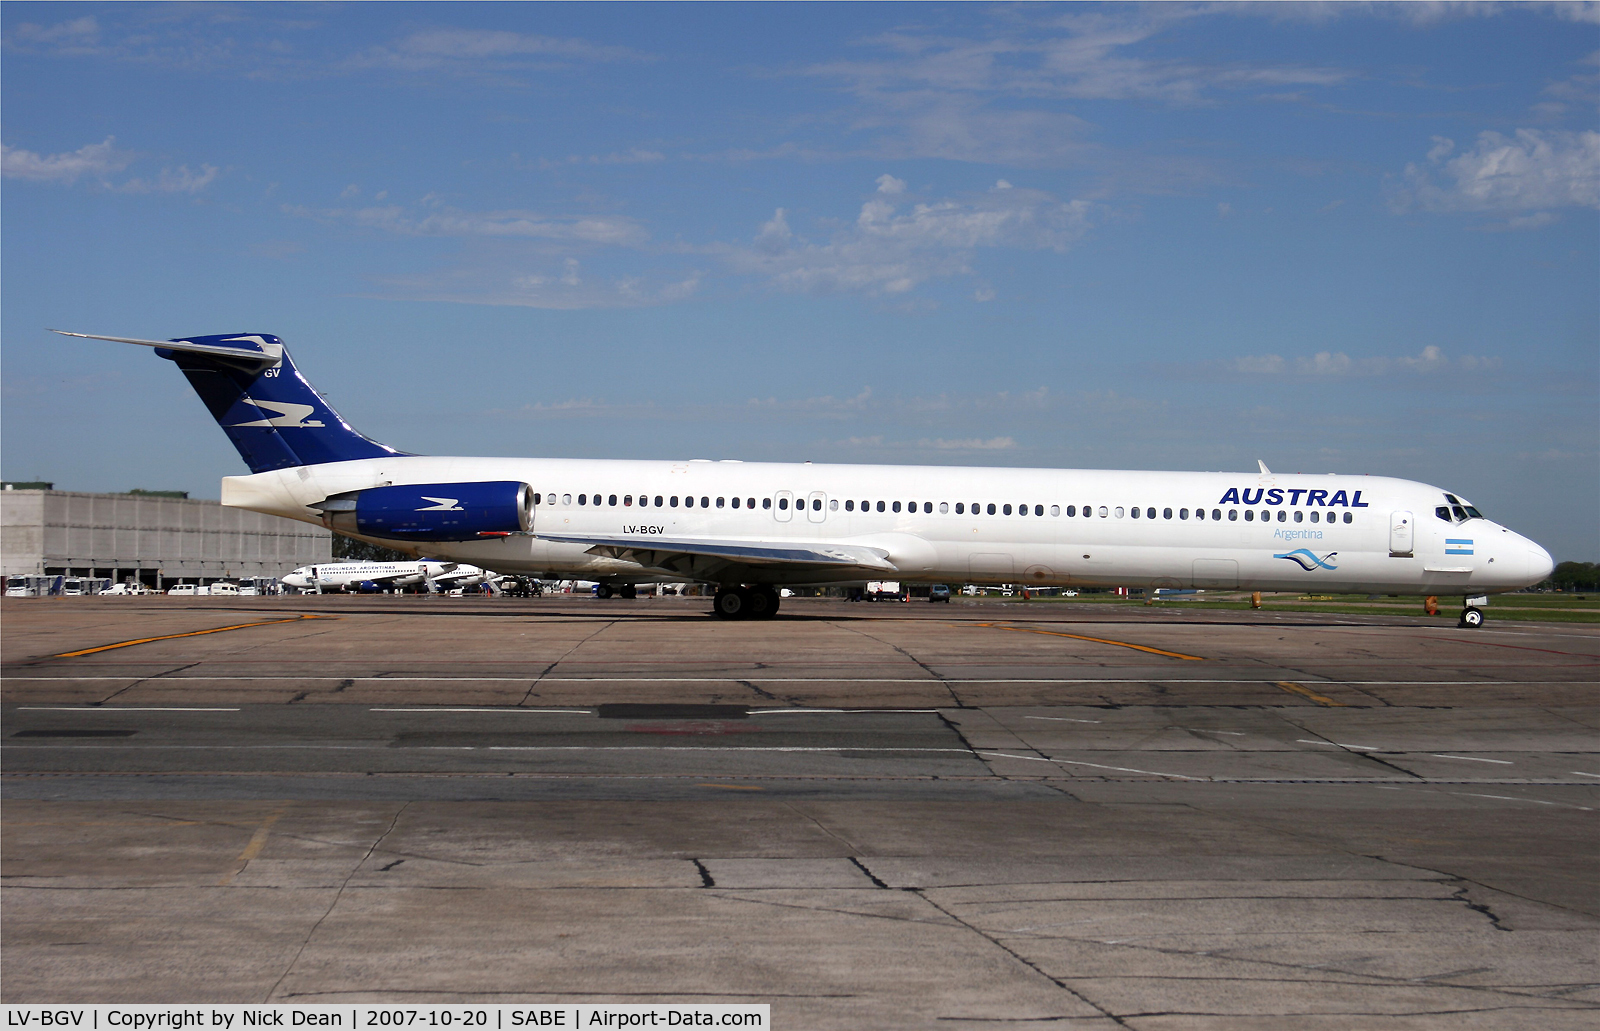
759, 602
1471, 614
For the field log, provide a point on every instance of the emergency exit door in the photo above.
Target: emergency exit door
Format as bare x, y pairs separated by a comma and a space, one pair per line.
1401, 533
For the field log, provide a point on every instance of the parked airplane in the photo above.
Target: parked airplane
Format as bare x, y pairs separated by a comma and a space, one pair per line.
750, 528
377, 576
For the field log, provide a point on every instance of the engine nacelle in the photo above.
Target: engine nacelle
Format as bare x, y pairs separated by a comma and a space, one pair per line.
432, 511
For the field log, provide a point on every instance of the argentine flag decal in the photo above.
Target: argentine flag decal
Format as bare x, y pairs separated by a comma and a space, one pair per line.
1454, 546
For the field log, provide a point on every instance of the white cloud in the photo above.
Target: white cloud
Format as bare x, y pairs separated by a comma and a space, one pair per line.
888, 251
589, 229
1534, 169
96, 160
564, 286
474, 51
969, 444
1332, 364
173, 180
889, 184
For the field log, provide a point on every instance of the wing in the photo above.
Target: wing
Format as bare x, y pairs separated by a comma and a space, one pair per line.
697, 557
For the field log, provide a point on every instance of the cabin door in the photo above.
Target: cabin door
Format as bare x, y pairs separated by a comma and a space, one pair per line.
1401, 532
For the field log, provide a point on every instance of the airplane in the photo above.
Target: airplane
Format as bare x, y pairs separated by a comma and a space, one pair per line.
376, 576
749, 529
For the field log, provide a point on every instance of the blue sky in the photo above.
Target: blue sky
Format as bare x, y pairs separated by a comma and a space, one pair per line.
1339, 238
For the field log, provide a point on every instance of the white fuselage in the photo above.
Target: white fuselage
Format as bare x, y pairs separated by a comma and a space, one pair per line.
341, 576
1282, 533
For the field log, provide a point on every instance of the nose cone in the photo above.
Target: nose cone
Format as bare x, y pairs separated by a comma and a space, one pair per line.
1540, 564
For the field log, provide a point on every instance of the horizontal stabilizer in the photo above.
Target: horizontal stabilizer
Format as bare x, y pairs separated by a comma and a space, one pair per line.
264, 351
658, 552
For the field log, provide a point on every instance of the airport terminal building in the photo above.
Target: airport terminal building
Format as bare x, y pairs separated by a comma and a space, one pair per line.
156, 539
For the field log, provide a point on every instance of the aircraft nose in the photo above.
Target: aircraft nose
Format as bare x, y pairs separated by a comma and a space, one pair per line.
1540, 564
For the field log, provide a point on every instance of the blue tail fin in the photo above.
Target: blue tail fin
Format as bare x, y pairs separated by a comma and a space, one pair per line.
272, 415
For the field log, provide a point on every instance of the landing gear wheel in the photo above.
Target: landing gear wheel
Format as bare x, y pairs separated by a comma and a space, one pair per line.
628, 592
763, 602
1471, 618
603, 591
731, 603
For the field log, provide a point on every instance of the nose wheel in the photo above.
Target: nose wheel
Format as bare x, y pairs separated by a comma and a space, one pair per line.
1471, 618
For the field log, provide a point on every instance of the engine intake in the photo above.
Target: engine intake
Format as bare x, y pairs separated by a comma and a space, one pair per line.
432, 511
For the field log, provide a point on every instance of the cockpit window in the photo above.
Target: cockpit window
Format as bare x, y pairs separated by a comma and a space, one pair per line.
1474, 513
1443, 512
1460, 512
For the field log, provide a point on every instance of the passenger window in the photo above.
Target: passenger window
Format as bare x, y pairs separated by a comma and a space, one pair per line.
961, 508
896, 506
1119, 511
1183, 513
566, 499
1249, 516
627, 501
672, 502
735, 502
719, 503
1072, 511
1299, 516
1055, 510
1038, 510
849, 506
1102, 511
1135, 512
660, 500
880, 506
1283, 516
833, 504
991, 508
583, 499
1166, 513
783, 504
749, 502
1316, 517
944, 508
816, 504
1216, 513
1349, 518
927, 508
1199, 513
704, 502
766, 503
1233, 515
612, 501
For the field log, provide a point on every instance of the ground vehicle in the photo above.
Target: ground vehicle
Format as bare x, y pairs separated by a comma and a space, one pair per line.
886, 590
191, 590
223, 587
19, 587
939, 592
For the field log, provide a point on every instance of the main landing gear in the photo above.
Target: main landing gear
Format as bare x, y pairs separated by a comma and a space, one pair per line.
759, 602
628, 592
1471, 614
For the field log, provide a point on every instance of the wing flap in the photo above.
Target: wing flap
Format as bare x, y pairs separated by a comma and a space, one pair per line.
658, 552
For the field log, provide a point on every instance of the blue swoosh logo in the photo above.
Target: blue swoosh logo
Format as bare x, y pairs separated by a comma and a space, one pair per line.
1308, 561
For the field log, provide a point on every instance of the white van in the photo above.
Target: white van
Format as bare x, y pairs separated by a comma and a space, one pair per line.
191, 590
222, 587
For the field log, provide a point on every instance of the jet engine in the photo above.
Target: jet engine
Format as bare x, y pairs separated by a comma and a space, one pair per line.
432, 511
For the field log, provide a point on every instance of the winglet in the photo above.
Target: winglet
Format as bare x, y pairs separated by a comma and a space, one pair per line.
1264, 470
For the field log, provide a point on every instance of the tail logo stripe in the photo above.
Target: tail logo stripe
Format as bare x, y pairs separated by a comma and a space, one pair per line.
289, 415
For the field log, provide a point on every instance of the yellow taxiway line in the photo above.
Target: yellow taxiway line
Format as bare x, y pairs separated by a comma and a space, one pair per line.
191, 633
1098, 640
1300, 689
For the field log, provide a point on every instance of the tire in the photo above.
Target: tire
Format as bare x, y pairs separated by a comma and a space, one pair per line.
1471, 619
629, 592
763, 602
603, 591
731, 603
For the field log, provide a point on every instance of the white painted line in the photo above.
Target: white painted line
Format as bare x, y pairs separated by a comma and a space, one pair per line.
1337, 744
1472, 759
1207, 730
1071, 762
1512, 798
117, 708
505, 708
708, 748
1580, 773
1059, 719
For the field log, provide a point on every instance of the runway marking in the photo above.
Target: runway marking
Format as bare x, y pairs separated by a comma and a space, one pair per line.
1517, 647
1471, 759
1097, 640
1072, 762
1300, 689
257, 842
1513, 798
1580, 773
1337, 744
191, 633
1060, 719
797, 709
732, 787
